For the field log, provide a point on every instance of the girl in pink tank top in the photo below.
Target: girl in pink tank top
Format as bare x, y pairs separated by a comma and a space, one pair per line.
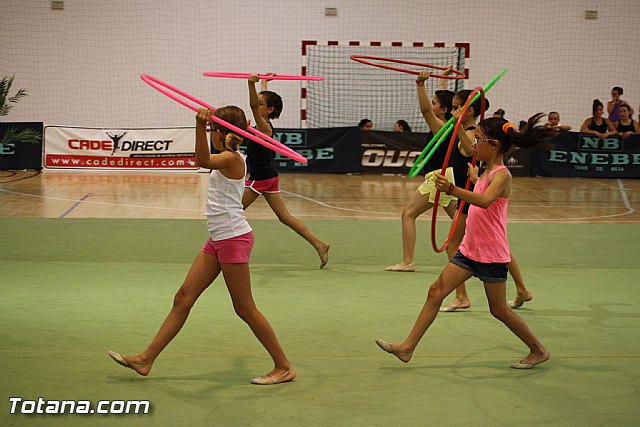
484, 251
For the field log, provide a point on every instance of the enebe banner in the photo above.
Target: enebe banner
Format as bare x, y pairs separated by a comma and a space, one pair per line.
113, 149
581, 155
328, 150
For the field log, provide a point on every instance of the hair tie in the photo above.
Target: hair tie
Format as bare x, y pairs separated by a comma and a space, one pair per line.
507, 126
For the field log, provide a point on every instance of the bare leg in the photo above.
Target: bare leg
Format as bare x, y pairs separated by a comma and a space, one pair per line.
461, 300
416, 206
248, 197
522, 294
277, 205
238, 280
451, 276
496, 295
203, 271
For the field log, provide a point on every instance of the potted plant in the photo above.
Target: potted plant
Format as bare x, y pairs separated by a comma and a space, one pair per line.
11, 135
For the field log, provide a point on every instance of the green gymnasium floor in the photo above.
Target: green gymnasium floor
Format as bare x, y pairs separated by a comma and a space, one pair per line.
71, 289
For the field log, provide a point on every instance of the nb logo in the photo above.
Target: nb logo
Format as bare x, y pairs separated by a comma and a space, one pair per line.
593, 143
291, 139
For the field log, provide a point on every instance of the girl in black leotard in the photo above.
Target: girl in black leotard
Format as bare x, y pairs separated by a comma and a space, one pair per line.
263, 178
596, 124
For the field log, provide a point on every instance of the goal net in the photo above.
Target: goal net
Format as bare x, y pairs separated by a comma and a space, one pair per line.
352, 91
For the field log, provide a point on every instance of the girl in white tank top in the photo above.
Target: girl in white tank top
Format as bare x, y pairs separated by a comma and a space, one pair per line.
227, 251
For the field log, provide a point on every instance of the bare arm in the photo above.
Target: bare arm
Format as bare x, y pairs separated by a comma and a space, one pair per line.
443, 82
261, 123
472, 171
498, 187
426, 108
465, 137
204, 158
585, 127
263, 82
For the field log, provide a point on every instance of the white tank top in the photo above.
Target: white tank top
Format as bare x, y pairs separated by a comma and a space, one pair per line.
225, 216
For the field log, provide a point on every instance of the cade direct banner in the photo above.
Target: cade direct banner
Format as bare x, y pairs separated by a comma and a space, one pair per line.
113, 149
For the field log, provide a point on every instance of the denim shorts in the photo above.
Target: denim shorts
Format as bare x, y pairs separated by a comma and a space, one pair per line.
485, 271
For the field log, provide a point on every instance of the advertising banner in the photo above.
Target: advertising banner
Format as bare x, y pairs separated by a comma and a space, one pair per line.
394, 152
117, 149
21, 145
581, 155
330, 150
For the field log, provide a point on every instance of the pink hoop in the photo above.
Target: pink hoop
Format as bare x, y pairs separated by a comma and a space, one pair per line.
262, 76
258, 136
363, 60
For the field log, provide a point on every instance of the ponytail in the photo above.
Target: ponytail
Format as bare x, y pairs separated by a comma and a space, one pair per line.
236, 117
232, 141
532, 135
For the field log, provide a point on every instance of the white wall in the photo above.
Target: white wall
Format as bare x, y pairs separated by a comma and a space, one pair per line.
81, 65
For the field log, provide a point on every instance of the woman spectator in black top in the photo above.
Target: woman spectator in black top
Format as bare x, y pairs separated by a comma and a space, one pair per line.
626, 126
596, 124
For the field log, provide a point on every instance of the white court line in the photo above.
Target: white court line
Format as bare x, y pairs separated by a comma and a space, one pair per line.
100, 203
326, 205
625, 200
629, 211
624, 196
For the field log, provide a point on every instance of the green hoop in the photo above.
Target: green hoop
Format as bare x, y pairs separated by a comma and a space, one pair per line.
437, 139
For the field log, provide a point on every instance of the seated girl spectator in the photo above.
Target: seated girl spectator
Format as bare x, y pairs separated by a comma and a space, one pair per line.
626, 126
553, 122
365, 124
596, 124
401, 126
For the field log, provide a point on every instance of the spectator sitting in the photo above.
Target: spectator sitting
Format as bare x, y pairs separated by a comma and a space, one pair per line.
499, 113
554, 122
401, 126
365, 124
596, 124
626, 126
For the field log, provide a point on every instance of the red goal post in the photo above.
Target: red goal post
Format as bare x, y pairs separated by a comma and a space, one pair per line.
352, 91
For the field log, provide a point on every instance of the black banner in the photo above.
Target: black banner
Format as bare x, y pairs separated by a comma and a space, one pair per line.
331, 150
21, 145
518, 163
394, 152
581, 155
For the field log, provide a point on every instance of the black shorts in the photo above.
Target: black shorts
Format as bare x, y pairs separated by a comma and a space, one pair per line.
487, 272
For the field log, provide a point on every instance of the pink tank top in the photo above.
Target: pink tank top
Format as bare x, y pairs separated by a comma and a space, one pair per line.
485, 238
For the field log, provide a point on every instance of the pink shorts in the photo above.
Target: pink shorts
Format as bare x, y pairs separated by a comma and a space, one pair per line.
236, 250
263, 185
